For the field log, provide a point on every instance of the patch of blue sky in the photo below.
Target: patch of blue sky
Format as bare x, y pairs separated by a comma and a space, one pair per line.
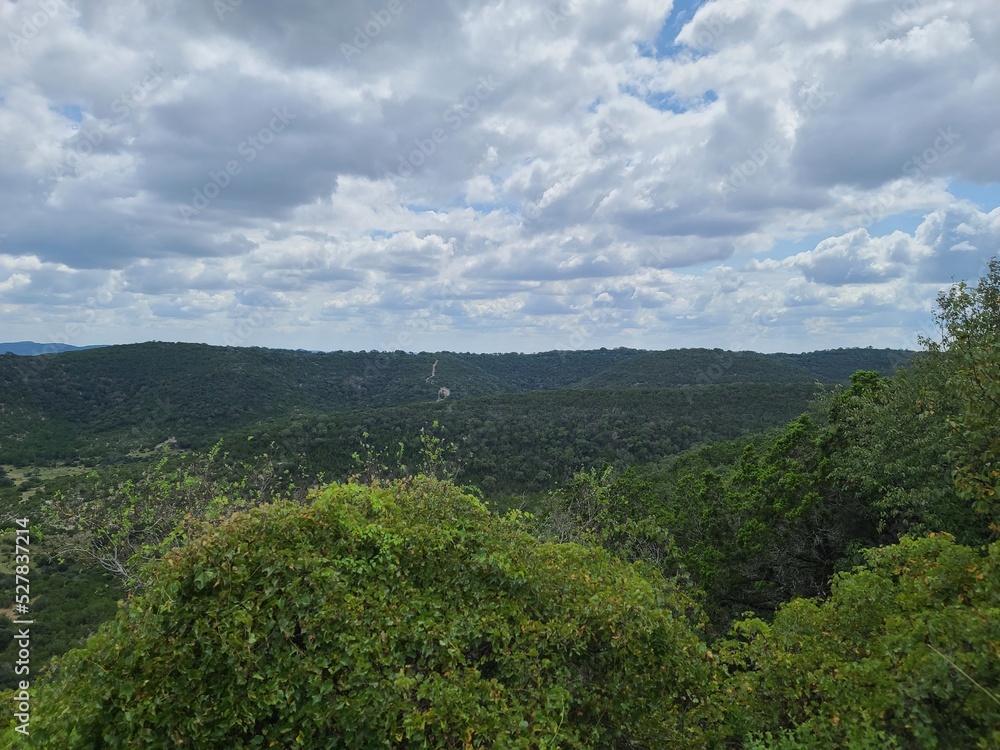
489, 207
787, 248
668, 101
458, 202
70, 112
908, 221
986, 197
664, 46
700, 268
422, 208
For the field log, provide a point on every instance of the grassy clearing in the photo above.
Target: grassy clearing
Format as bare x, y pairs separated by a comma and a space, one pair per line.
29, 479
44, 473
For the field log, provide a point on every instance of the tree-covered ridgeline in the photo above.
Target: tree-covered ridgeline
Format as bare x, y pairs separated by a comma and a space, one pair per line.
101, 406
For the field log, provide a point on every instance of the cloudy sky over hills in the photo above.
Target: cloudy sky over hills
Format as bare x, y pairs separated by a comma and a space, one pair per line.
494, 175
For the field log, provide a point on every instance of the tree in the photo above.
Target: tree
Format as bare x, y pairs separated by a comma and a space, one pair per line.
902, 654
390, 615
618, 513
890, 452
969, 316
765, 525
122, 523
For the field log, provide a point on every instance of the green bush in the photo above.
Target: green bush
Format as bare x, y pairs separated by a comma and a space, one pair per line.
905, 653
401, 615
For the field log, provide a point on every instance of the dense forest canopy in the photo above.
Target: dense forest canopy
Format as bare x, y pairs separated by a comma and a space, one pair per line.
98, 405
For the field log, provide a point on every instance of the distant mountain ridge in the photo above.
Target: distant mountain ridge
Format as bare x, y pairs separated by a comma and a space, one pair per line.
110, 400
687, 367
33, 348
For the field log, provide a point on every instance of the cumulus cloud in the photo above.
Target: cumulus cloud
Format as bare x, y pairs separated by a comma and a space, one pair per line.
494, 174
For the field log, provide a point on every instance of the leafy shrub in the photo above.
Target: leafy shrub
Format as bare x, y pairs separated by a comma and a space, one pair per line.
905, 653
400, 615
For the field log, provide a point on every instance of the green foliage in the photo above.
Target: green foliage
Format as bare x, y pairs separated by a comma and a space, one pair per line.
545, 371
970, 320
922, 449
435, 457
617, 513
401, 615
751, 524
687, 367
121, 521
103, 404
891, 451
911, 454
905, 653
774, 521
532, 442
68, 603
838, 365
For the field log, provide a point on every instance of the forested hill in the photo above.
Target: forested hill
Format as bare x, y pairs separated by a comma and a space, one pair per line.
31, 348
839, 364
114, 399
546, 371
682, 367
697, 367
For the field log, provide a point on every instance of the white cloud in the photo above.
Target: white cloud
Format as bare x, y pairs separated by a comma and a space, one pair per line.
494, 173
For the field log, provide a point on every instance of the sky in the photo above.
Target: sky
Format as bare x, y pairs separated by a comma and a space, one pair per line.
494, 175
